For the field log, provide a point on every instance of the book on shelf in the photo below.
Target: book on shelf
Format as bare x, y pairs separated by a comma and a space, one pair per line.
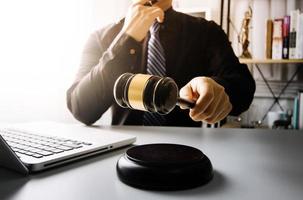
269, 30
300, 113
285, 34
295, 114
277, 39
299, 39
297, 118
294, 16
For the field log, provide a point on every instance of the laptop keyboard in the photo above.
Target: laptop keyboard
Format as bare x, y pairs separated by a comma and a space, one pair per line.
38, 146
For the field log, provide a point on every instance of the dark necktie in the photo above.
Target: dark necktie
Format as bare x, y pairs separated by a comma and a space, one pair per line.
155, 66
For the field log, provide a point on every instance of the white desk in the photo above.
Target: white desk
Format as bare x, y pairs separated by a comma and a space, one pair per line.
249, 164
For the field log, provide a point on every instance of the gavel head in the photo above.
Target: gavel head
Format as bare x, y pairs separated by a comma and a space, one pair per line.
146, 92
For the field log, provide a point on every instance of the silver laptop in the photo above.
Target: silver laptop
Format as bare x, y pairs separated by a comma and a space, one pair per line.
34, 147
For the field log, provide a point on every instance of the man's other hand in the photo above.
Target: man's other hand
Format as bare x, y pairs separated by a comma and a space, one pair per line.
139, 19
212, 102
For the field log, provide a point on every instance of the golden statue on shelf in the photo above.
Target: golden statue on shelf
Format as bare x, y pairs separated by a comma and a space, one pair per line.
244, 34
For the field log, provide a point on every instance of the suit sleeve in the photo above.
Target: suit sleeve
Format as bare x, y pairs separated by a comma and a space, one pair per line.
91, 94
225, 69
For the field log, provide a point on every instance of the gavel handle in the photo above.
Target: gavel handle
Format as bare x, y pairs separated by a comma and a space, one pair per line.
185, 103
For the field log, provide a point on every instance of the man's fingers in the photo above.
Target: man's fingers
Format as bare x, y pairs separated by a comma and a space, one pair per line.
156, 13
140, 2
224, 114
205, 99
209, 108
187, 93
221, 111
214, 106
221, 114
202, 104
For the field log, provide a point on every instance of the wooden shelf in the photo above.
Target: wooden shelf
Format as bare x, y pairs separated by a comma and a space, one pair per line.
270, 61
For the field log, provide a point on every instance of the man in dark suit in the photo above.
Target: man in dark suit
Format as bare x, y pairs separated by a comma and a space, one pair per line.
196, 54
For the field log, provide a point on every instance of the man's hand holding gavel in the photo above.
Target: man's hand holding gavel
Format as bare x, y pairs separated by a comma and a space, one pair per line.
212, 102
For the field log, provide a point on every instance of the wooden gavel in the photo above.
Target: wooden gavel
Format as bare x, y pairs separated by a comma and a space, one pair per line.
148, 93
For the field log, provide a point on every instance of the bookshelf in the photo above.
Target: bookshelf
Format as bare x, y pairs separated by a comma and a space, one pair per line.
257, 64
271, 61
276, 98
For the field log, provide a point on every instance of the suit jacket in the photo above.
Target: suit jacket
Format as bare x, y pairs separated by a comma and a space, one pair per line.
193, 47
